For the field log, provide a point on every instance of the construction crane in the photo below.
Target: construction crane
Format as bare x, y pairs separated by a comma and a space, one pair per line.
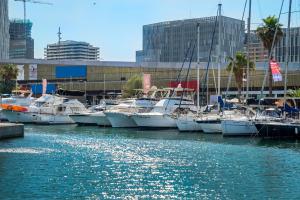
24, 6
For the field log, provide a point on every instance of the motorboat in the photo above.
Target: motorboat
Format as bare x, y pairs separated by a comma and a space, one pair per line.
161, 116
16, 101
121, 115
95, 115
48, 109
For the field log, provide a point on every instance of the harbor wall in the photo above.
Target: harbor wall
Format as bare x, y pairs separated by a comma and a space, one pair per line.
10, 130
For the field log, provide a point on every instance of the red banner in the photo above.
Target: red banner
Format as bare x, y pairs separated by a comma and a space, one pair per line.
146, 83
275, 68
44, 86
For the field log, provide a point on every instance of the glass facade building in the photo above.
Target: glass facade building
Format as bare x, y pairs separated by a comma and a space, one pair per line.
294, 52
21, 44
257, 52
4, 26
71, 50
168, 41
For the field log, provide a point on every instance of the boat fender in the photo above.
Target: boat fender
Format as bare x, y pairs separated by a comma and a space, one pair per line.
296, 131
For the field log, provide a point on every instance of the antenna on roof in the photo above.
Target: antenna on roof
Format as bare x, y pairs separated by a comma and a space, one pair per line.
59, 35
59, 39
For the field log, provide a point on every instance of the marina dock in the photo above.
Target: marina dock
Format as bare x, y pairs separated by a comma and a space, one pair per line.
11, 130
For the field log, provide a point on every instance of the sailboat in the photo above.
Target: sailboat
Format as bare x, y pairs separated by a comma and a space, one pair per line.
187, 121
211, 122
241, 123
285, 127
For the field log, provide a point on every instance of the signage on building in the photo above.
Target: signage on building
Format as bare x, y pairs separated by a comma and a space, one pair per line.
20, 75
33, 72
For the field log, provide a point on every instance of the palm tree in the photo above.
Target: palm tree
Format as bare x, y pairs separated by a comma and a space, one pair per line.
266, 33
8, 73
238, 66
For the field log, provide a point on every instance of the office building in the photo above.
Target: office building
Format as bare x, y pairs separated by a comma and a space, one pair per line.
168, 41
4, 26
294, 55
71, 50
21, 44
257, 52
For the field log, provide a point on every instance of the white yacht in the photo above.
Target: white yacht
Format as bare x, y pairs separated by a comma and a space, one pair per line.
162, 115
22, 98
94, 116
48, 109
121, 115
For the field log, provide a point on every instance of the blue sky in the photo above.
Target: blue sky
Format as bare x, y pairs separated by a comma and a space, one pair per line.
116, 25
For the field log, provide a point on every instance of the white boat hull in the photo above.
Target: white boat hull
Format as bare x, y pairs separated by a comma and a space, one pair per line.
120, 120
154, 121
20, 117
211, 127
238, 127
187, 123
91, 119
49, 119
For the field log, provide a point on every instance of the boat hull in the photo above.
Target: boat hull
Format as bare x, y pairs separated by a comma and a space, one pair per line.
20, 117
49, 119
91, 119
154, 121
211, 126
238, 128
120, 120
188, 124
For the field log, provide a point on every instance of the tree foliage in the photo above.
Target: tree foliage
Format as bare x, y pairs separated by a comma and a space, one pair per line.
267, 31
135, 82
8, 73
238, 65
294, 93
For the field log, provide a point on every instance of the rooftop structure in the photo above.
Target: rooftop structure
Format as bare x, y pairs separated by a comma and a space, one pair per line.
71, 50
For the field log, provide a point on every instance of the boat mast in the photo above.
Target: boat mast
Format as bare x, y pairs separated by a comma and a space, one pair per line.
198, 66
248, 48
219, 52
287, 48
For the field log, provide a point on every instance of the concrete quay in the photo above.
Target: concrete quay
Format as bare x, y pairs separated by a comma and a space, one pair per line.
11, 130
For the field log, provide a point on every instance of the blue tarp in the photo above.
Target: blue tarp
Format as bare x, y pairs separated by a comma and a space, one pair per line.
71, 71
290, 109
37, 88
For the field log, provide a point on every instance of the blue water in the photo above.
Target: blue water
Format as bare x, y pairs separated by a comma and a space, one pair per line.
69, 162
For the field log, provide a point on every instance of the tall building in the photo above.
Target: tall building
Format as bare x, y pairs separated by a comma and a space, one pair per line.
71, 50
294, 55
168, 41
257, 52
21, 44
4, 26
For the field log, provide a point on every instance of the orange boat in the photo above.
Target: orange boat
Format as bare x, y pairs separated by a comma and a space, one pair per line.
13, 107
